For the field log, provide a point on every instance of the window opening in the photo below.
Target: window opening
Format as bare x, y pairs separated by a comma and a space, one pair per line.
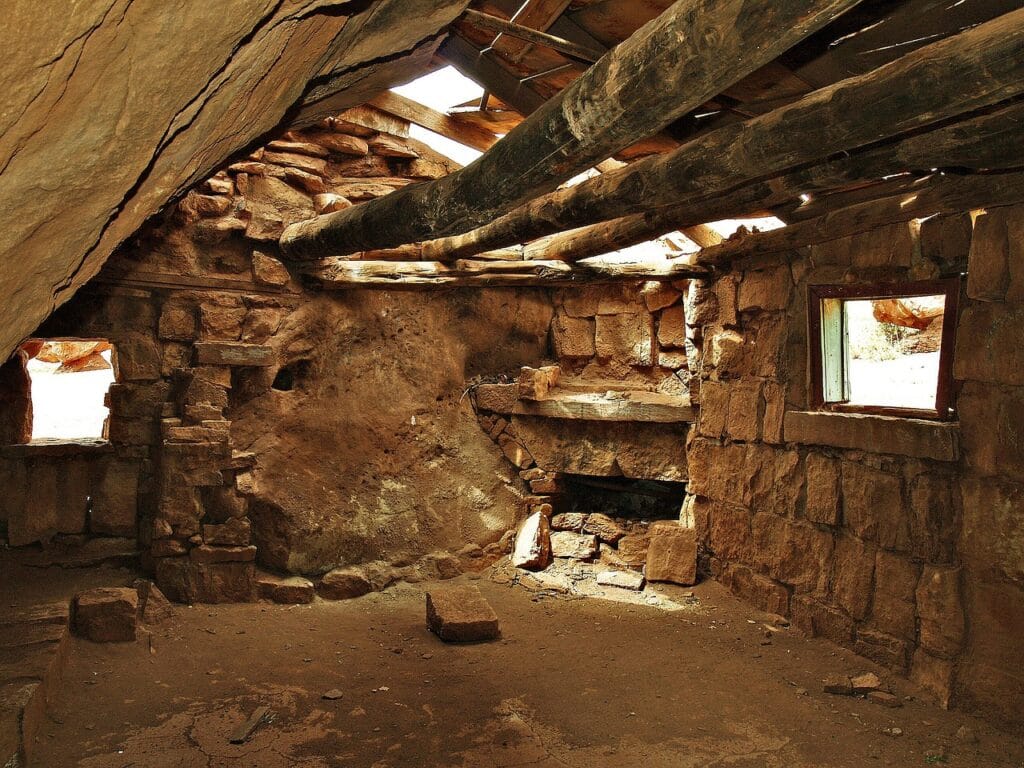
883, 348
70, 379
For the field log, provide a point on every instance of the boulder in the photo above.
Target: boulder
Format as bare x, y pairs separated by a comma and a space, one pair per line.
344, 583
106, 614
672, 554
460, 614
577, 546
533, 543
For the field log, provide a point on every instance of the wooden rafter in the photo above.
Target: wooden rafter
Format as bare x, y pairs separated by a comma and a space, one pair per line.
907, 94
699, 46
560, 44
463, 132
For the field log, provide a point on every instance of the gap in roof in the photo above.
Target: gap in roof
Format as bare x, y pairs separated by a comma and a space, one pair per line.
441, 90
728, 227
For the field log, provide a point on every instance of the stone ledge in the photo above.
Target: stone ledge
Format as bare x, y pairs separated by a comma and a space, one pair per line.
918, 438
56, 448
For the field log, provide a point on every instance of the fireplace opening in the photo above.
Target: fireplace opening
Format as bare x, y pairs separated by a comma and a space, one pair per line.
634, 501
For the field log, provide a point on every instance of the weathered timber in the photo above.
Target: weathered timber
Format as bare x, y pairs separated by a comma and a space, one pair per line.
939, 194
462, 132
501, 26
461, 54
986, 63
629, 406
342, 274
693, 50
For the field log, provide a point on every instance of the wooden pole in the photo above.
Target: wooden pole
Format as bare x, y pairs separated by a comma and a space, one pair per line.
671, 65
501, 26
989, 141
972, 70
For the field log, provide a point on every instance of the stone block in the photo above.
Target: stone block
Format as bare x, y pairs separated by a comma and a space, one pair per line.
795, 553
499, 398
225, 582
714, 408
935, 675
672, 327
233, 532
893, 609
514, 451
267, 270
632, 549
765, 290
940, 611
35, 516
672, 554
621, 579
532, 549
988, 273
854, 569
745, 410
138, 400
288, 590
772, 479
138, 357
761, 591
774, 412
115, 505
221, 321
992, 530
823, 489
206, 554
627, 338
460, 614
875, 434
658, 295
572, 337
76, 487
726, 296
176, 578
154, 607
873, 506
816, 619
934, 515
889, 651
576, 546
730, 535
343, 584
233, 353
946, 241
178, 320
106, 614
536, 383
988, 345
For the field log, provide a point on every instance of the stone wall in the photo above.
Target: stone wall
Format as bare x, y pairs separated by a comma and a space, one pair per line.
268, 425
881, 534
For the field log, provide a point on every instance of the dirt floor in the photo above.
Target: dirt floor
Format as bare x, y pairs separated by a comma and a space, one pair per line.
573, 682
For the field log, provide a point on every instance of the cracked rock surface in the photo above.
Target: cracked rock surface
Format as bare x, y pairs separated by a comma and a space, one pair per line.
112, 107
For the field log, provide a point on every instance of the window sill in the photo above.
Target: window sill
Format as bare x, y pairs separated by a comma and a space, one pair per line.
918, 438
57, 447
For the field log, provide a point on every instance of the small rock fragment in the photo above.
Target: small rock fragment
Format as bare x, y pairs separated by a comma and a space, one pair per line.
966, 735
885, 699
623, 579
604, 527
838, 685
333, 695
865, 683
894, 732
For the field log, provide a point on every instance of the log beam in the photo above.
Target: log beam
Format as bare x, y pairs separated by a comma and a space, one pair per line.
694, 50
990, 141
464, 133
970, 71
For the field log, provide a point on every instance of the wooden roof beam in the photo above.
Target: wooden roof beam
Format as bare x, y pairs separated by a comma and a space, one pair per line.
973, 70
561, 45
698, 47
464, 133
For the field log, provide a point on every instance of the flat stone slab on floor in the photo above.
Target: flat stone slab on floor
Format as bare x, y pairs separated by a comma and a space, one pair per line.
460, 614
623, 579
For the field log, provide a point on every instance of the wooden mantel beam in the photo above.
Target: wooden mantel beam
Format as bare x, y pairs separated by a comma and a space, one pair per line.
970, 71
692, 51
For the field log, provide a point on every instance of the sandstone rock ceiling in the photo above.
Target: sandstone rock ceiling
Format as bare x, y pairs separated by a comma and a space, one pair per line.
114, 107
